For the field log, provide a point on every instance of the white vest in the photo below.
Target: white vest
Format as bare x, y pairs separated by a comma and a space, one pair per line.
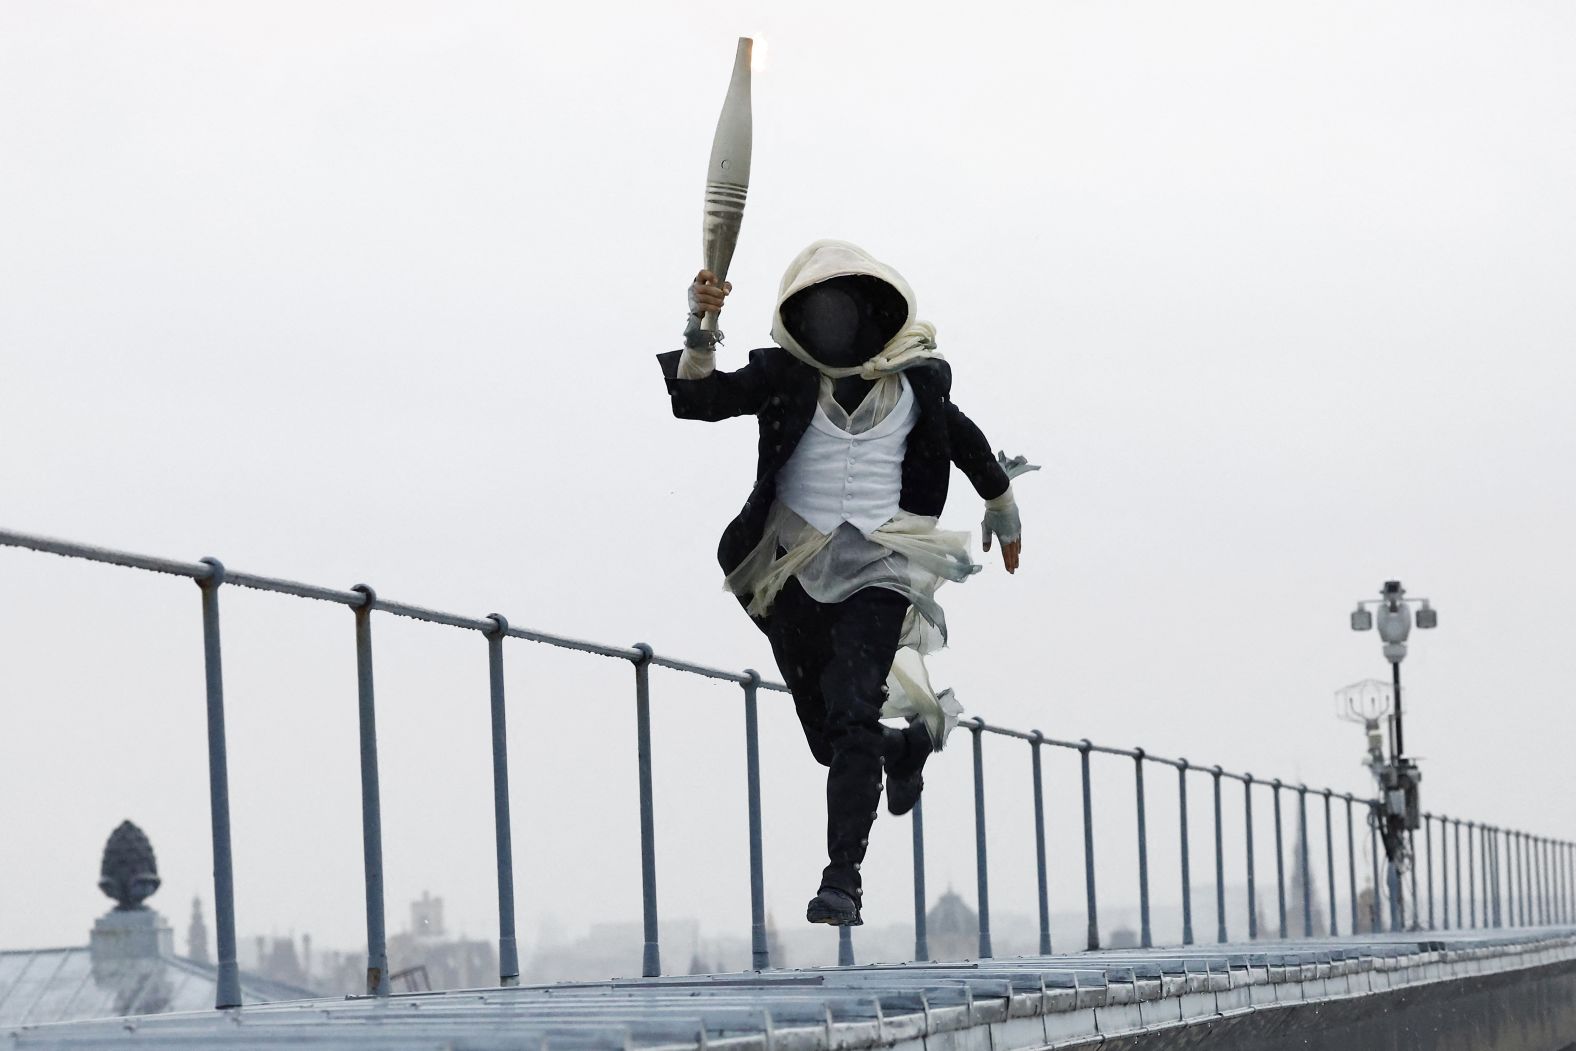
835, 477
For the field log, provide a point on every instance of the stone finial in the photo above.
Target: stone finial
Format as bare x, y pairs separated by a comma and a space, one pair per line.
129, 873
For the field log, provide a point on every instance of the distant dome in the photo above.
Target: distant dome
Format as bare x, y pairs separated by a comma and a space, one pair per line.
951, 916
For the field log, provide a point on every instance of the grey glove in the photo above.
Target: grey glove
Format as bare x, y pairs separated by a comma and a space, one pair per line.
1004, 524
695, 337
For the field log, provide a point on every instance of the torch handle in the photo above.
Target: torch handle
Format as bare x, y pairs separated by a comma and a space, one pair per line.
728, 174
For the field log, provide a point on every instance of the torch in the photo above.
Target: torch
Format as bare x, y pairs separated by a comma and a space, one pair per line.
727, 176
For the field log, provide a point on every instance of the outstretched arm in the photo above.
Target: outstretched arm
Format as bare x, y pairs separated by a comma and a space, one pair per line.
971, 452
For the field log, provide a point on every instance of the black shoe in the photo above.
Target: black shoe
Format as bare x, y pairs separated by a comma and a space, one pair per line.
834, 907
903, 781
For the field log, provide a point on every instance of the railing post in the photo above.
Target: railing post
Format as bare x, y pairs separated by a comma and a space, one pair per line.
1351, 864
1565, 856
1493, 846
1491, 877
1529, 918
1329, 860
1556, 882
1518, 898
1507, 886
1411, 847
1543, 880
1513, 878
651, 957
1093, 940
1280, 856
1548, 881
1444, 872
1499, 900
508, 950
1507, 849
1307, 867
1035, 746
1220, 863
1557, 873
982, 865
1529, 910
1253, 903
1533, 894
1551, 893
1557, 877
1565, 880
371, 804
1551, 861
1457, 850
1539, 892
921, 940
1535, 846
1373, 849
1471, 876
1550, 910
1562, 902
1145, 936
228, 990
845, 946
1525, 890
760, 952
1545, 909
1428, 849
1187, 875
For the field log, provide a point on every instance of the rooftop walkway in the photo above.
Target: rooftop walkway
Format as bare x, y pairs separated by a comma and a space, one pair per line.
1374, 991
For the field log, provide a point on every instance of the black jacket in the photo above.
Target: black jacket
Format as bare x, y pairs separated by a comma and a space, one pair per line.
781, 391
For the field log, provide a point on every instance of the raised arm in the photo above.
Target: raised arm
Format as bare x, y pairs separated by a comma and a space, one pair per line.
697, 390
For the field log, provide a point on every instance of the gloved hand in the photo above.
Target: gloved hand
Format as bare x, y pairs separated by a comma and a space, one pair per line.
705, 297
1004, 523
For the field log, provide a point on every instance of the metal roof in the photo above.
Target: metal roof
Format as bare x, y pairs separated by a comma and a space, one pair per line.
1002, 1005
56, 985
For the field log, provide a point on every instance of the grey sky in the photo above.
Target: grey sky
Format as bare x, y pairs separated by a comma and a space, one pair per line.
1279, 294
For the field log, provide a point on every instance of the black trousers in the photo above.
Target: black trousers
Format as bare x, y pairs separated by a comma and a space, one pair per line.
835, 658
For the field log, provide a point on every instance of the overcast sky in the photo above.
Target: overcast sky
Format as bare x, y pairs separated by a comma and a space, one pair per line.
1279, 294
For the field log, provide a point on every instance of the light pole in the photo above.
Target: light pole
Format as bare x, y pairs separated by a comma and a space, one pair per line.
1399, 778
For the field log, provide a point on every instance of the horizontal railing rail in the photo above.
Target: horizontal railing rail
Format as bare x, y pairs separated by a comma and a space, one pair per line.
1512, 877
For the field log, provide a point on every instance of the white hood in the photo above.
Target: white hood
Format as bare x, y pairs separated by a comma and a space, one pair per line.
915, 341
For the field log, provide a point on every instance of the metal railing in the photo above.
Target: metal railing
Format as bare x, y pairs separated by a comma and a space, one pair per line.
1512, 877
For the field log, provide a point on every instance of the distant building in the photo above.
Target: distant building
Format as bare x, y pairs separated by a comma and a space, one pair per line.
1122, 938
129, 966
774, 944
422, 957
952, 929
197, 935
